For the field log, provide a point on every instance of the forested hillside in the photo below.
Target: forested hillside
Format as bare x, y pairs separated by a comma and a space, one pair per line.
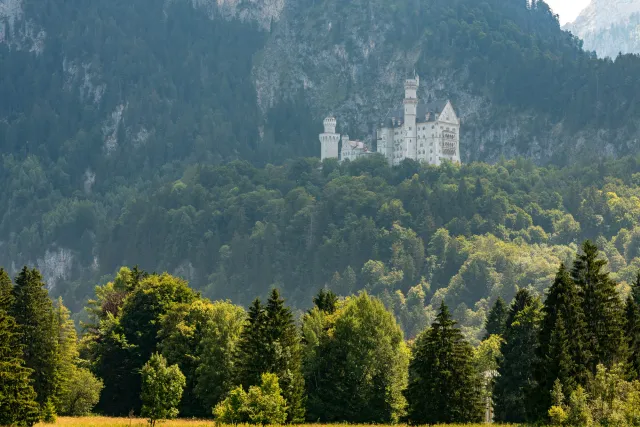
414, 235
142, 132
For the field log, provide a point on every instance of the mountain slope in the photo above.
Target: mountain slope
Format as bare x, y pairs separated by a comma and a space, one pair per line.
609, 27
107, 103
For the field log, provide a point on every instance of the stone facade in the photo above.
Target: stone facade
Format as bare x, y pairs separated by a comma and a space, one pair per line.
427, 132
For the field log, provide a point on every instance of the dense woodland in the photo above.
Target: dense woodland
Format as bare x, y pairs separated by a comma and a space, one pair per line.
161, 198
412, 235
154, 347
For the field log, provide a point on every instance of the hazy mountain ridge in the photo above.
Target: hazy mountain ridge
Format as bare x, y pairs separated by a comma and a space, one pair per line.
609, 27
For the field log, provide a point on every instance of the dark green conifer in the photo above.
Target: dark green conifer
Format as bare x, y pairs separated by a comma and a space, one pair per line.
17, 398
33, 312
284, 354
251, 360
604, 314
497, 319
513, 386
632, 328
326, 301
443, 384
6, 291
558, 357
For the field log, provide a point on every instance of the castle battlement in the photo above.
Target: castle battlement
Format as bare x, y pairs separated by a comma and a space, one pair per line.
423, 131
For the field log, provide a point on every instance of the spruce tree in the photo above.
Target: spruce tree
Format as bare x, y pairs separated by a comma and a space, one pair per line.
632, 327
67, 349
513, 386
6, 291
497, 319
251, 362
443, 384
17, 398
604, 314
326, 301
33, 312
560, 358
284, 354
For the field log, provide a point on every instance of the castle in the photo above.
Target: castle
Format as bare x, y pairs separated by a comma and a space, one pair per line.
423, 131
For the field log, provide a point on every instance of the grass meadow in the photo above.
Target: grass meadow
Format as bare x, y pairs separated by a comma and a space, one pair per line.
139, 422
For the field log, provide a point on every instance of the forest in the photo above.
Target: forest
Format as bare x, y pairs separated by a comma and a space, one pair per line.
413, 235
153, 347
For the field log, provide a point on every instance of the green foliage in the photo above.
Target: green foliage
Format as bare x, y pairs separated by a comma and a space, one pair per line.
515, 381
270, 344
611, 401
17, 398
562, 350
218, 345
326, 301
49, 415
497, 318
443, 384
487, 354
6, 291
262, 405
81, 393
162, 387
67, 351
632, 326
121, 345
603, 310
355, 363
34, 315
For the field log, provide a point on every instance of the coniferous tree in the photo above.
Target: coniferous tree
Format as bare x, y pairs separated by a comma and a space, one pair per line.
326, 301
251, 362
604, 314
558, 357
17, 398
632, 327
67, 349
6, 291
284, 354
443, 384
270, 344
515, 380
33, 312
497, 319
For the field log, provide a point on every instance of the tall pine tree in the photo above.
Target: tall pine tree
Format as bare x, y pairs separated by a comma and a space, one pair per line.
604, 314
251, 362
6, 291
270, 344
632, 327
17, 398
67, 348
497, 319
33, 312
443, 384
285, 355
512, 390
558, 357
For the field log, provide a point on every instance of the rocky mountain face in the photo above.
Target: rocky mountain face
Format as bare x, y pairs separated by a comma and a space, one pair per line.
609, 27
104, 100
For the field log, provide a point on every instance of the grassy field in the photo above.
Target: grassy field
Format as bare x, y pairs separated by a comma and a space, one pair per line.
126, 422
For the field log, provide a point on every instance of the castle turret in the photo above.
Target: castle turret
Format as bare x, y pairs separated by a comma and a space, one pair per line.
329, 140
410, 107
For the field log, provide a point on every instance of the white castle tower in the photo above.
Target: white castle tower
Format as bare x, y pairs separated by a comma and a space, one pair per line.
329, 140
410, 112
